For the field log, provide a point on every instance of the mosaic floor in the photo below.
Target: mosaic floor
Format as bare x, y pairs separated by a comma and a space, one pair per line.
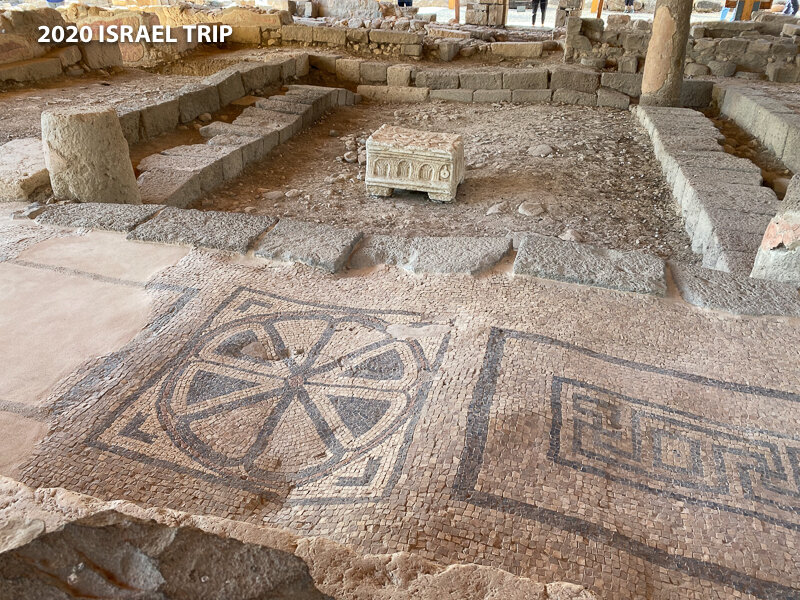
636, 445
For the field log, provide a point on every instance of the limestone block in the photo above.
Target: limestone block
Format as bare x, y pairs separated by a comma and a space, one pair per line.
358, 36
387, 93
234, 232
323, 62
526, 79
452, 254
722, 68
628, 83
207, 168
778, 256
552, 258
170, 188
195, 99
783, 73
230, 156
161, 117
297, 33
301, 65
492, 96
23, 173
411, 50
696, 93
568, 96
229, 84
252, 149
517, 49
448, 50
481, 80
734, 293
30, 70
628, 64
333, 36
452, 95
294, 108
259, 75
573, 79
373, 72
612, 99
437, 79
130, 119
110, 217
381, 36
245, 34
269, 121
400, 75
288, 67
349, 69
99, 55
68, 55
410, 159
87, 156
532, 96
323, 246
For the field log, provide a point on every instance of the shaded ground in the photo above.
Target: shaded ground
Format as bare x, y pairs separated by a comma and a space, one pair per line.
601, 180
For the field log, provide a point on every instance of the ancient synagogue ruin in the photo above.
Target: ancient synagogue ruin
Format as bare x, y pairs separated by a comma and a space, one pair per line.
399, 300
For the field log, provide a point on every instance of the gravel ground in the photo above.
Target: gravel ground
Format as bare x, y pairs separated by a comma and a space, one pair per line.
21, 109
601, 180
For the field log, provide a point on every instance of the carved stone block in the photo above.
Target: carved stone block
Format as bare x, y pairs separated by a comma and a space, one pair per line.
409, 159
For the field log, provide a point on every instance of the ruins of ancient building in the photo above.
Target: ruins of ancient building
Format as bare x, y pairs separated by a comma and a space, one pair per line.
355, 299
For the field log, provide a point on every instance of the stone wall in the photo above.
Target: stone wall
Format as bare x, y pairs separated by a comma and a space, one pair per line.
392, 82
767, 48
487, 12
23, 58
134, 54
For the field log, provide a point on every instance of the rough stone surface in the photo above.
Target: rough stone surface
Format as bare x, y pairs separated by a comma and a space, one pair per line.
87, 156
410, 159
112, 217
234, 232
432, 254
106, 549
322, 246
551, 258
735, 293
23, 173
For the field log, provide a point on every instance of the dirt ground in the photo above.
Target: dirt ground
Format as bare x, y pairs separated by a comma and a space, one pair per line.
21, 108
601, 179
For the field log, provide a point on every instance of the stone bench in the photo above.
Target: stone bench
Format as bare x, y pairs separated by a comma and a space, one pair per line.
414, 160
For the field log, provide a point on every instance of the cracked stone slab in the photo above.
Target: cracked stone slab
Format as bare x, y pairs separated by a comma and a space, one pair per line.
432, 254
735, 293
112, 217
208, 229
552, 258
323, 246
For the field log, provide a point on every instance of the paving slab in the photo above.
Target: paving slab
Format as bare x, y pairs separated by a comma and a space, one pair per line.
456, 254
552, 258
208, 229
323, 246
92, 215
735, 293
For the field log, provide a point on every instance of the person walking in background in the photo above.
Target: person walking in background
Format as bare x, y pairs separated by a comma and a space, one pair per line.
629, 6
790, 8
542, 5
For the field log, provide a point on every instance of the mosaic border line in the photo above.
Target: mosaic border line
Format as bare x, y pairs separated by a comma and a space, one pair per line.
475, 445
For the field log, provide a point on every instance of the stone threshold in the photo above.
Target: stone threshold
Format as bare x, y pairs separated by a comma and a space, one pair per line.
332, 249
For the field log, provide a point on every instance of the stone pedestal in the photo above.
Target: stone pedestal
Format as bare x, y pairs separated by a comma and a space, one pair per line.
87, 156
414, 160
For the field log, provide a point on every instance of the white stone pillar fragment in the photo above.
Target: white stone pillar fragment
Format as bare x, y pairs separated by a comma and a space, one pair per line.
87, 156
